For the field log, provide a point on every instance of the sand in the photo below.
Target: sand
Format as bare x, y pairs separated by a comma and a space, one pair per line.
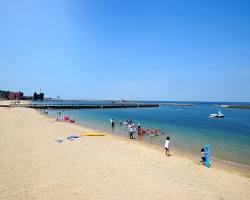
9, 102
34, 166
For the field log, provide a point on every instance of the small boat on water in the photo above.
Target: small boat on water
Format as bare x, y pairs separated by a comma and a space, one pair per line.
217, 115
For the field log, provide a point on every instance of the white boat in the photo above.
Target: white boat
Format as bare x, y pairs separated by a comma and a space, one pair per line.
217, 115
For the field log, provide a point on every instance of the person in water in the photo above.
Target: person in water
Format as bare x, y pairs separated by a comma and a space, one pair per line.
112, 122
138, 128
203, 157
167, 145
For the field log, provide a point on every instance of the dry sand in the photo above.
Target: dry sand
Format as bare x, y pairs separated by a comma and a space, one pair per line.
9, 102
34, 166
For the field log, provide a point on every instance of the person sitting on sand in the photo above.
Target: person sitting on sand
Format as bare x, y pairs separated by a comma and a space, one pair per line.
203, 157
167, 145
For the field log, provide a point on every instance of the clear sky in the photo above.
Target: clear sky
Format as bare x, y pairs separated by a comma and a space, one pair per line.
141, 50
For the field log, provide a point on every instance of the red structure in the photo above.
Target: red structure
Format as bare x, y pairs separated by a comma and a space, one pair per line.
15, 95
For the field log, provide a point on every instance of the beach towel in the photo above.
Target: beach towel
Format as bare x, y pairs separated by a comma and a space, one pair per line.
59, 140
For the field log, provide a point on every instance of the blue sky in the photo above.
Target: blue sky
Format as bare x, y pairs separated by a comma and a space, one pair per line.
143, 50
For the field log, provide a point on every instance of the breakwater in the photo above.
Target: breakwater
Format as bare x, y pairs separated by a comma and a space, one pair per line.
176, 104
83, 106
235, 106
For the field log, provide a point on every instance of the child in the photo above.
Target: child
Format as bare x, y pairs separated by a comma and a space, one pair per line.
203, 158
167, 145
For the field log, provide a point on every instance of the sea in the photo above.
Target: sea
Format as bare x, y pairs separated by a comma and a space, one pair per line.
189, 127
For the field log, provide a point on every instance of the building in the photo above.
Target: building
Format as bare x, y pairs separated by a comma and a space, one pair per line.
15, 95
38, 96
9, 95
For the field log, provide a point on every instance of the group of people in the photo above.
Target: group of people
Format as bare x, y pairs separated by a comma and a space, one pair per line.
153, 132
65, 118
132, 129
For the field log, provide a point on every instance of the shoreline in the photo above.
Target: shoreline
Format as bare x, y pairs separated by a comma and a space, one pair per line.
216, 163
219, 163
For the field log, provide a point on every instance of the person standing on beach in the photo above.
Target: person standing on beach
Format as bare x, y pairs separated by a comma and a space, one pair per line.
167, 145
203, 157
131, 132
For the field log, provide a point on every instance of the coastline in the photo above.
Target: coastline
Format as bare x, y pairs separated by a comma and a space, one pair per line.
34, 166
216, 163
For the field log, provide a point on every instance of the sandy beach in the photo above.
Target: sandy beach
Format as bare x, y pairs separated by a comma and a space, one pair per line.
34, 166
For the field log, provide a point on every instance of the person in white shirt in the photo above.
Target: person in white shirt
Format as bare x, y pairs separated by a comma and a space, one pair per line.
167, 145
131, 131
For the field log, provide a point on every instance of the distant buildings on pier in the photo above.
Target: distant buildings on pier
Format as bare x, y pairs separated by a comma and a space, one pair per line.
38, 96
9, 95
15, 95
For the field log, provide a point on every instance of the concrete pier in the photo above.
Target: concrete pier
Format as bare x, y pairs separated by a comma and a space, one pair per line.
84, 106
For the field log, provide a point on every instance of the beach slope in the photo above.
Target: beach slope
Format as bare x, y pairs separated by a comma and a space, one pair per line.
34, 166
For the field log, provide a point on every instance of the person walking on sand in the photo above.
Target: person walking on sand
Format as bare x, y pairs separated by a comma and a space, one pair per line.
167, 145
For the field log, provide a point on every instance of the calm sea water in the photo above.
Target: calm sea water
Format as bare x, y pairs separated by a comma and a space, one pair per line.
188, 127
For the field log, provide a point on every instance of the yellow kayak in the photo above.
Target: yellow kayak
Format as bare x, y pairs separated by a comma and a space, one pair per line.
92, 134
